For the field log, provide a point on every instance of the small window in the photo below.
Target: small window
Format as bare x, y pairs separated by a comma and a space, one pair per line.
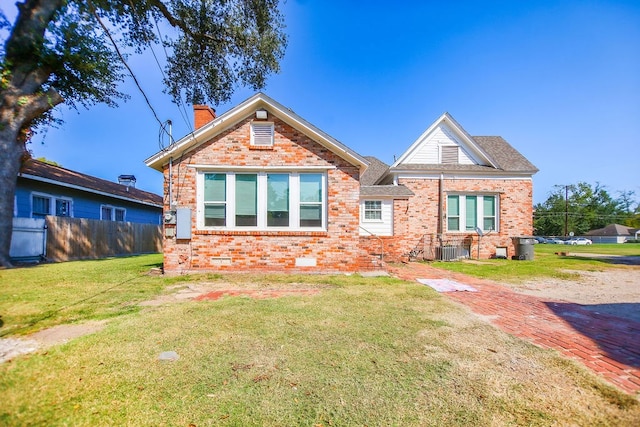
63, 207
453, 213
119, 214
106, 213
262, 134
41, 206
373, 210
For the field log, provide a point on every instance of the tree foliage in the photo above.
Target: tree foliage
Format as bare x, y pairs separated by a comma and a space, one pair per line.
581, 207
74, 51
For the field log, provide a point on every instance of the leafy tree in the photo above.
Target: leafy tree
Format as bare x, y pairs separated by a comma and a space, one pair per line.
72, 51
579, 208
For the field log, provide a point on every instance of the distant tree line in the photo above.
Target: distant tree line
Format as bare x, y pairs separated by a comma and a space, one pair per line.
581, 207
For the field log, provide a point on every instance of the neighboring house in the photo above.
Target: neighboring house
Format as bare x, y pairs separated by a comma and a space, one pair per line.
260, 188
44, 189
613, 233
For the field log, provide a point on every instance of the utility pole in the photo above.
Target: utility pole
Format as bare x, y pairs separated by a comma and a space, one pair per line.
566, 210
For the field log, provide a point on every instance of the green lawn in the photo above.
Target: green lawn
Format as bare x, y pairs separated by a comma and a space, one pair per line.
548, 261
363, 351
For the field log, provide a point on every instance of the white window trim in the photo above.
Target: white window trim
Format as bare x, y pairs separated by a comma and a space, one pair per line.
479, 212
294, 201
52, 203
113, 213
259, 142
364, 211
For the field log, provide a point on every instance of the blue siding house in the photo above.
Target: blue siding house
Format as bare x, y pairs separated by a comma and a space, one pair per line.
44, 189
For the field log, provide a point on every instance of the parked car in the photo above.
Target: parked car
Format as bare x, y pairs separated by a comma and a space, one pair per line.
540, 239
578, 241
555, 241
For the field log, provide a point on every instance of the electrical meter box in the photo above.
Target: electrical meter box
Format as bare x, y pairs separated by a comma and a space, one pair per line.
183, 223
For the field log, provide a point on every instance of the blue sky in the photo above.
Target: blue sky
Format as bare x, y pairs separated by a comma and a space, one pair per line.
559, 80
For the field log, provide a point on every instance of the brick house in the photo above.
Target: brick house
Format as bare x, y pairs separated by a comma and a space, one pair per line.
261, 189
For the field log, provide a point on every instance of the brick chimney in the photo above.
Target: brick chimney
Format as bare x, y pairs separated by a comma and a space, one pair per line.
202, 114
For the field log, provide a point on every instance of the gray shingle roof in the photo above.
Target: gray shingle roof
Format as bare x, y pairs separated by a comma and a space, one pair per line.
67, 177
396, 191
376, 170
613, 230
504, 155
500, 152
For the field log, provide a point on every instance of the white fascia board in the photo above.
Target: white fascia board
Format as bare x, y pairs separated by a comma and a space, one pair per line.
88, 190
233, 168
448, 120
461, 175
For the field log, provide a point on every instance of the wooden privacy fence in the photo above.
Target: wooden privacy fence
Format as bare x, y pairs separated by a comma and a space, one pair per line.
81, 238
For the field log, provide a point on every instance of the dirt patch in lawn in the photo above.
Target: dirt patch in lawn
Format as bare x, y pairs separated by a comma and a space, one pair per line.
214, 291
613, 291
12, 347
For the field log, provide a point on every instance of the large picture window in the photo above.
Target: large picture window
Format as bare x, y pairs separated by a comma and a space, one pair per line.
262, 200
466, 212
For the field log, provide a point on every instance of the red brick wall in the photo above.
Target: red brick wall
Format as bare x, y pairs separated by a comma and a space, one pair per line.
335, 250
418, 216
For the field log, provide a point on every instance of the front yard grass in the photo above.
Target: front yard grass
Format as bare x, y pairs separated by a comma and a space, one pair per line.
364, 351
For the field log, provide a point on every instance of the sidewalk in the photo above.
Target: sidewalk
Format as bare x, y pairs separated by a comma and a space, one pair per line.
608, 345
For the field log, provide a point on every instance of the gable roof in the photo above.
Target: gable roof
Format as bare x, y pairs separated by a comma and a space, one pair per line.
369, 181
485, 154
240, 112
45, 172
613, 230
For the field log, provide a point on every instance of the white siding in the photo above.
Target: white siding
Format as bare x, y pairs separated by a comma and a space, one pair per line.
428, 151
383, 227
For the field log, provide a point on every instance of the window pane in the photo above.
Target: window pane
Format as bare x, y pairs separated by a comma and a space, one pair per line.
472, 212
489, 209
453, 205
311, 216
373, 209
119, 214
215, 187
310, 187
246, 200
278, 200
453, 213
489, 203
62, 207
106, 213
214, 215
489, 224
41, 206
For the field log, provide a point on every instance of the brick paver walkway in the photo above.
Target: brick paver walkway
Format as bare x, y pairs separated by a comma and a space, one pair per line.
608, 345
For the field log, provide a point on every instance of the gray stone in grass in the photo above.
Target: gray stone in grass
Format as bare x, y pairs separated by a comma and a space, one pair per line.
168, 355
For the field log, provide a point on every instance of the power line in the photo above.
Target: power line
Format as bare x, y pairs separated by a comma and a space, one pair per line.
115, 46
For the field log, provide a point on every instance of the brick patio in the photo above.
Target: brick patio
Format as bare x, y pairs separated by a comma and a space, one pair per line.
606, 344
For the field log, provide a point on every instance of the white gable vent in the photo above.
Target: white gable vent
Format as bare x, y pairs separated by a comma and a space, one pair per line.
262, 134
449, 155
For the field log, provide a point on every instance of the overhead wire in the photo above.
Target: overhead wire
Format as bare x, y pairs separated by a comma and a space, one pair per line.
124, 62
